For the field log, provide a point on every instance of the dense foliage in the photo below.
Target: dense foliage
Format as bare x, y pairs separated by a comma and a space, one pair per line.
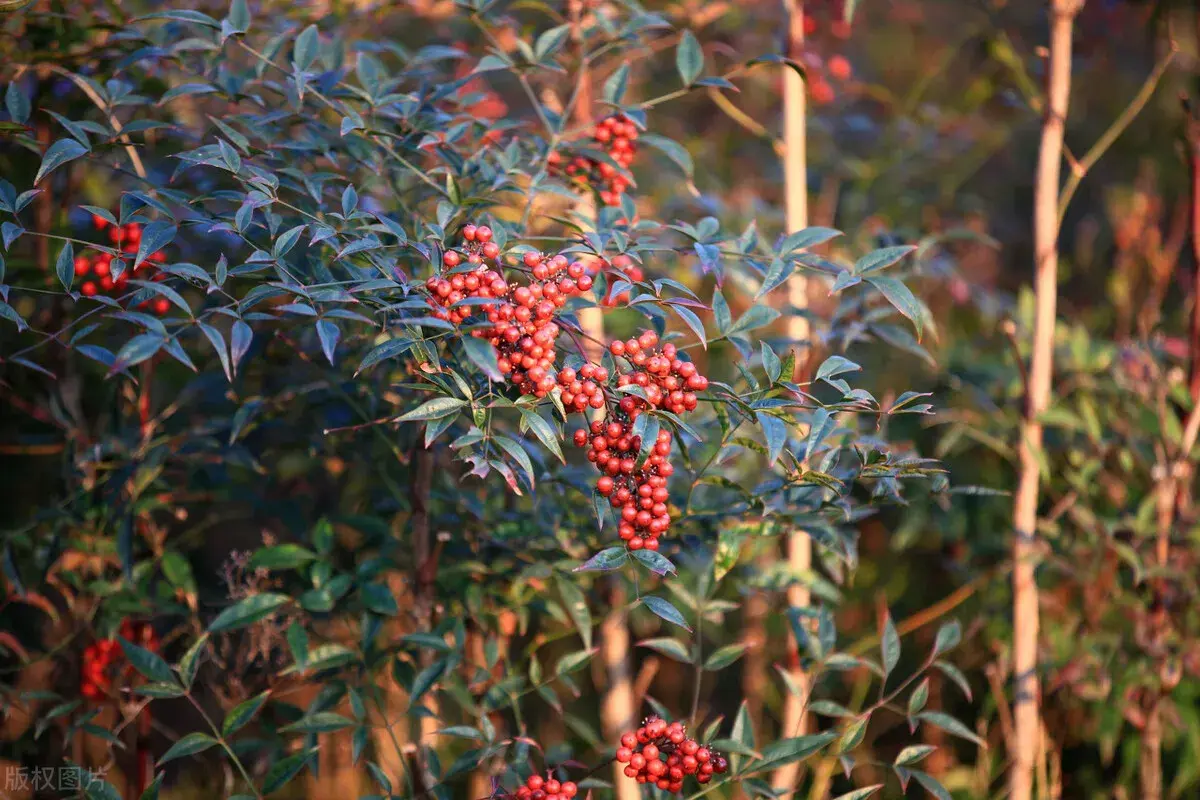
341, 299
407, 400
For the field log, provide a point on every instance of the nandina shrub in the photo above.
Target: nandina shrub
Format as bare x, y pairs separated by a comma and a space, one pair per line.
318, 493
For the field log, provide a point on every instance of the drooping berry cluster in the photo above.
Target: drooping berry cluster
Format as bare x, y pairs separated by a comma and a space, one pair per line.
523, 329
538, 788
663, 754
639, 492
617, 136
639, 489
102, 658
96, 270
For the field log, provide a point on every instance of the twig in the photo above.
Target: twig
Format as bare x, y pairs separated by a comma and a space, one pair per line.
1079, 169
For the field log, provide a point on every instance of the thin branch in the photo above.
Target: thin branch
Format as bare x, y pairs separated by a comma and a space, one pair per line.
1079, 169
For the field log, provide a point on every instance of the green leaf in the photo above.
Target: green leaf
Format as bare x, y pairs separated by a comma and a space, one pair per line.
286, 241
889, 645
17, 104
755, 317
672, 150
64, 267
607, 559
917, 700
248, 611
194, 17
305, 50
860, 794
614, 87
955, 674
772, 366
9, 233
151, 792
671, 648
724, 657
389, 349
379, 598
160, 690
806, 238
853, 734
775, 434
904, 301
318, 722
185, 90
834, 366
436, 408
281, 557
151, 665
689, 58
189, 665
155, 237
543, 430
575, 602
328, 656
913, 753
655, 562
950, 725
881, 259
239, 16
573, 661
328, 333
788, 751
483, 355
188, 746
283, 771
242, 713
948, 637
425, 681
550, 41
743, 729
57, 154
931, 785
665, 610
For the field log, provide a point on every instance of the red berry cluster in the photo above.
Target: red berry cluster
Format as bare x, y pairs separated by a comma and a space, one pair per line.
640, 492
663, 754
478, 281
617, 136
125, 238
100, 658
523, 330
539, 788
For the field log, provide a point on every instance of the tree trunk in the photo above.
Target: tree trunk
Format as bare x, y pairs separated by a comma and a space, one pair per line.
1025, 504
795, 170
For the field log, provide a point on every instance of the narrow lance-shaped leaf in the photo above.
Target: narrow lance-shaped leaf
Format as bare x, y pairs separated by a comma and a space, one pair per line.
689, 58
64, 267
665, 610
57, 154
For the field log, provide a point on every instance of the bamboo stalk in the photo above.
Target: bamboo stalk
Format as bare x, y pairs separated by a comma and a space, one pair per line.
795, 170
1026, 721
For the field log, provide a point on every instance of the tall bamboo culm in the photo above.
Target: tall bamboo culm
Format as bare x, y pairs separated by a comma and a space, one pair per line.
795, 171
1026, 692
